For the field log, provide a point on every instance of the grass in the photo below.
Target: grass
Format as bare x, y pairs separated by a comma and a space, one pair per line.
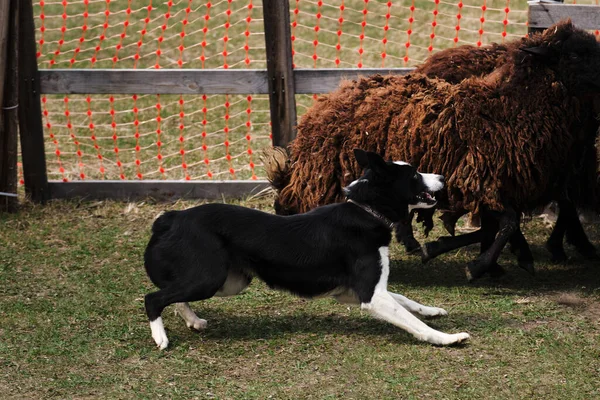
73, 325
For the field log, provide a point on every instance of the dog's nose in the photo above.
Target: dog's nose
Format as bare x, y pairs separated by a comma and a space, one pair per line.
442, 179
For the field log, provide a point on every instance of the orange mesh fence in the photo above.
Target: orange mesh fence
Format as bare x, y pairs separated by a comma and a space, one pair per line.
377, 33
217, 136
152, 136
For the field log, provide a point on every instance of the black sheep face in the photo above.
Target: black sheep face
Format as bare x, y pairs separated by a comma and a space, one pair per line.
573, 54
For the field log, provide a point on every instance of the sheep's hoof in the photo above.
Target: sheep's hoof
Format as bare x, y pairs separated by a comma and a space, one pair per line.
527, 266
468, 273
416, 252
411, 246
557, 252
588, 252
429, 252
496, 271
475, 269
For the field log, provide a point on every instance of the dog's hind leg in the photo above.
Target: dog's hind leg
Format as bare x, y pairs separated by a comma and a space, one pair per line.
180, 292
384, 306
189, 316
417, 308
236, 282
199, 283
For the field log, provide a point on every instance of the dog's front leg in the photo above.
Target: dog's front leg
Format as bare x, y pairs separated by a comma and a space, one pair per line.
417, 308
383, 305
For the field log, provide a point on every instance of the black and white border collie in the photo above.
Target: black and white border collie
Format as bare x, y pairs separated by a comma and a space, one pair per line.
338, 250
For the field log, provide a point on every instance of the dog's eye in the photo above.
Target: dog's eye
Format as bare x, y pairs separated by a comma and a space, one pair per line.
574, 56
415, 176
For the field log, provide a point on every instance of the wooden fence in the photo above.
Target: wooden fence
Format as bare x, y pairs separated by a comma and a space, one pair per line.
279, 80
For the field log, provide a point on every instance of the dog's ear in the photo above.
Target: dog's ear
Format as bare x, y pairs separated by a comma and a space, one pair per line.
376, 162
361, 158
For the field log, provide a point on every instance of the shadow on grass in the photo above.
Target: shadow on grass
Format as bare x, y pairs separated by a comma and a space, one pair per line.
449, 271
229, 327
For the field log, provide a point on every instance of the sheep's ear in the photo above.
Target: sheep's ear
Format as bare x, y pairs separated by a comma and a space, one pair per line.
537, 51
361, 158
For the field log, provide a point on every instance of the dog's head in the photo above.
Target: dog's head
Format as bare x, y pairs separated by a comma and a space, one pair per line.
396, 186
426, 185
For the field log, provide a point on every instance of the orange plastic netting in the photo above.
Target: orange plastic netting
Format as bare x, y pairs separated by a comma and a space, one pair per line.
216, 136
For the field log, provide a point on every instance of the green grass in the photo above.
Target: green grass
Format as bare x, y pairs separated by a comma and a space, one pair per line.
73, 326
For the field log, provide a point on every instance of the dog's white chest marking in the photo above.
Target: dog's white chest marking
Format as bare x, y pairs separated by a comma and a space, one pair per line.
384, 254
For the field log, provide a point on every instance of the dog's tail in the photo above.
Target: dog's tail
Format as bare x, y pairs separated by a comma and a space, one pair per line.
277, 166
163, 222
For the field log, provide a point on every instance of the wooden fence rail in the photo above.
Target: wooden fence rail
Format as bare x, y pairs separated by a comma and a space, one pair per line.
279, 81
194, 81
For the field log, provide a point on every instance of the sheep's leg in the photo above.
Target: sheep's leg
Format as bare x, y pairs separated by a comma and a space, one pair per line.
489, 229
404, 234
575, 234
507, 226
448, 243
449, 218
485, 235
554, 244
518, 244
520, 247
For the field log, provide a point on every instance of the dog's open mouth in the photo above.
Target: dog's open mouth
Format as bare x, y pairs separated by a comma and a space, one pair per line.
426, 198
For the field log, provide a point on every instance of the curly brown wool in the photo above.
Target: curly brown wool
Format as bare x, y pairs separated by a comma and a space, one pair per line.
511, 128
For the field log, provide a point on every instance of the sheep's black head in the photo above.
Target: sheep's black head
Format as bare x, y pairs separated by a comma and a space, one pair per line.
573, 54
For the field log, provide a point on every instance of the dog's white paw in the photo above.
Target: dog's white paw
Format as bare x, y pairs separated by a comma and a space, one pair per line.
431, 312
460, 337
197, 324
455, 338
158, 333
161, 342
444, 339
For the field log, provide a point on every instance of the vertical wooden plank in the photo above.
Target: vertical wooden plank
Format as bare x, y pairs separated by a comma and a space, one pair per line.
278, 43
4, 14
30, 111
8, 102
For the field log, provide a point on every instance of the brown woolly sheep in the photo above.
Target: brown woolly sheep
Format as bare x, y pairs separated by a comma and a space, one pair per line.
456, 64
453, 65
507, 141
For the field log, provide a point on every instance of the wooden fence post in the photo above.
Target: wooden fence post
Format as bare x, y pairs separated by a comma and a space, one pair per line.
282, 93
30, 111
8, 103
